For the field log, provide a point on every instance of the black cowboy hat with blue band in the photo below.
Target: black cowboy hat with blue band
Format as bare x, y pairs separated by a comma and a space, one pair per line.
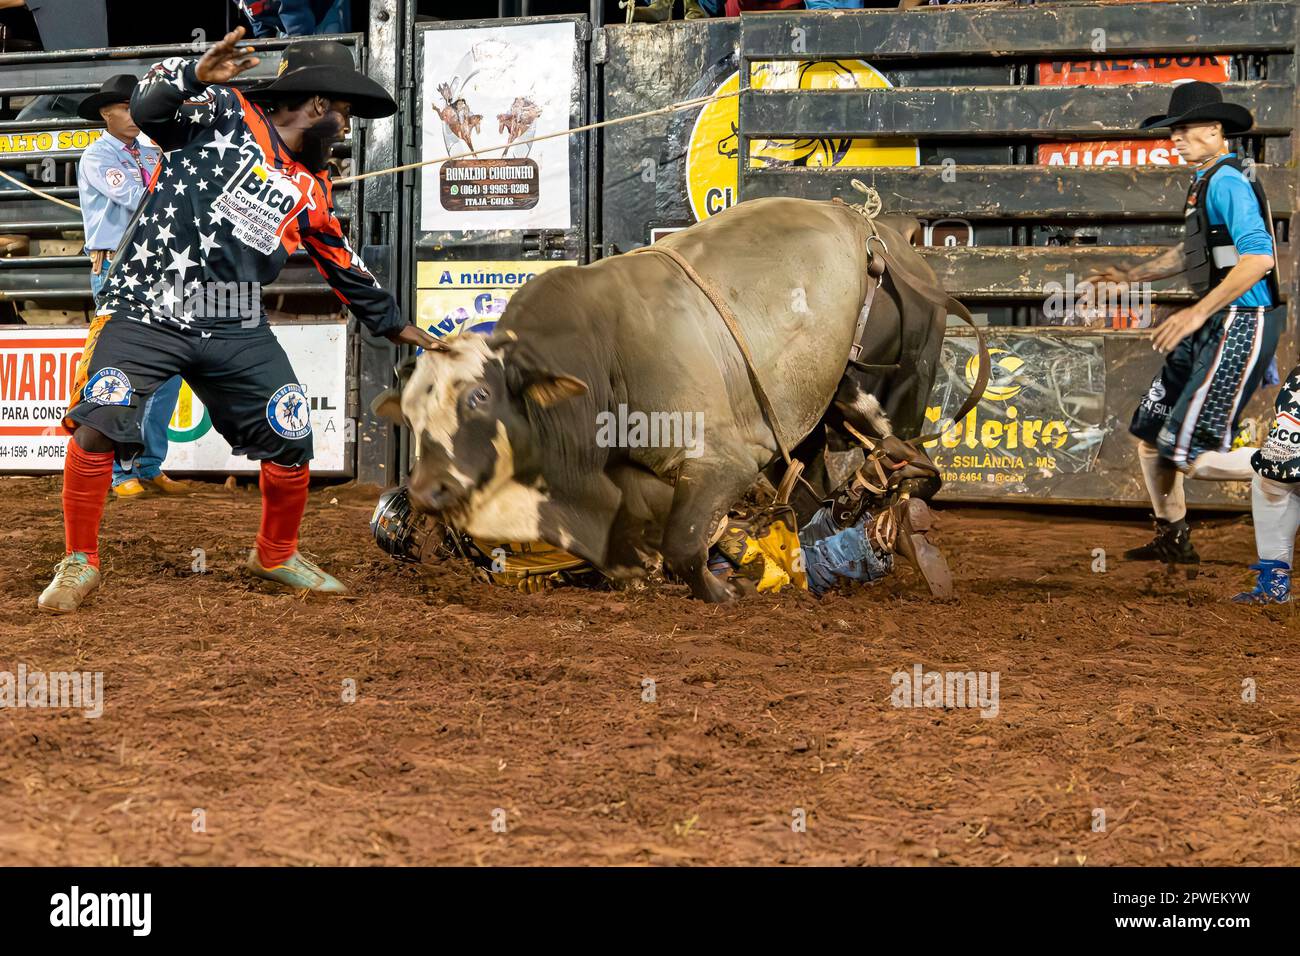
325, 68
116, 89
1201, 102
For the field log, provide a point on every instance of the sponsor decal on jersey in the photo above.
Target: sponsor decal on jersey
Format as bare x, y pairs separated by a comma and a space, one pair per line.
260, 201
108, 386
289, 412
1283, 439
115, 178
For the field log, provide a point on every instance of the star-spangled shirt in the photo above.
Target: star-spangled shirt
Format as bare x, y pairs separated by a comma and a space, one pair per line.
1279, 457
226, 208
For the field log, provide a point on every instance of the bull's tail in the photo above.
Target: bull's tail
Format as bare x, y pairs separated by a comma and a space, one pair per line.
981, 378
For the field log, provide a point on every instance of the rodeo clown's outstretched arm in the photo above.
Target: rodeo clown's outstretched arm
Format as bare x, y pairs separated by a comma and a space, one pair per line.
1218, 349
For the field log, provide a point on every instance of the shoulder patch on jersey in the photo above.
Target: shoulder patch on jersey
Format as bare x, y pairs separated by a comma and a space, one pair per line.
115, 177
288, 412
108, 386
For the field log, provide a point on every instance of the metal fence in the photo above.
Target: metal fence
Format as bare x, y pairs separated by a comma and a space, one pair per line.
1124, 211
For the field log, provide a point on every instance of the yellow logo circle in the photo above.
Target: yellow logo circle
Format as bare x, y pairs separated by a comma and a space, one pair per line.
713, 156
190, 420
1002, 376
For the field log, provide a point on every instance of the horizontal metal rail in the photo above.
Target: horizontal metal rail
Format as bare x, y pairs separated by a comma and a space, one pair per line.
1034, 192
984, 111
1042, 30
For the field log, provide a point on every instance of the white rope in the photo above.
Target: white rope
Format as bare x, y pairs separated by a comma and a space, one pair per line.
39, 192
671, 108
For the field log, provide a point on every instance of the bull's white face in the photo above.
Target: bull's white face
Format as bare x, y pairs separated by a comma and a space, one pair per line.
459, 407
479, 464
434, 391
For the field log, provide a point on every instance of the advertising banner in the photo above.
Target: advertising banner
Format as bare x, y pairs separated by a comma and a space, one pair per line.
456, 297
38, 367
47, 141
1153, 69
712, 158
487, 90
1042, 413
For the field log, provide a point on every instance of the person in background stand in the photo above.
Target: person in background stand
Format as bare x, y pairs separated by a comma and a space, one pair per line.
67, 24
659, 11
112, 177
296, 18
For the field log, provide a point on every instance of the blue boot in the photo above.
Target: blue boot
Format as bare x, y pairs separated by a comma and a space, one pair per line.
1273, 587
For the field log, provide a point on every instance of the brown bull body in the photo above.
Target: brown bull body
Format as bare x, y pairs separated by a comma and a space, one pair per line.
535, 434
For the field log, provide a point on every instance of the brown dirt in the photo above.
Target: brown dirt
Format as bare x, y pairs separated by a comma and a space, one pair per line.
1120, 691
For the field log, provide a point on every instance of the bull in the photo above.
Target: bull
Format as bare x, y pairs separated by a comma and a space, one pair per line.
507, 427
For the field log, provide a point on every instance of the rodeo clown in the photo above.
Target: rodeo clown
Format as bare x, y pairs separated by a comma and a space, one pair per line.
1275, 499
1218, 349
853, 537
241, 187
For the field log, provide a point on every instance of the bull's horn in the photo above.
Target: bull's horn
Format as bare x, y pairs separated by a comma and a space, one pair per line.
388, 405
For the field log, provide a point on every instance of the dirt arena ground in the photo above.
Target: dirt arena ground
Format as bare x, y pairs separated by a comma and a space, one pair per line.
1120, 691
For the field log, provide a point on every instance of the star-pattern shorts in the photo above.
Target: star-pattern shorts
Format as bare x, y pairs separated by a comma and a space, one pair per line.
1279, 457
1196, 401
244, 380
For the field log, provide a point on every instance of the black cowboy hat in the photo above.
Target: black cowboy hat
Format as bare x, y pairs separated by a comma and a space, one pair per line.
1201, 102
325, 68
116, 89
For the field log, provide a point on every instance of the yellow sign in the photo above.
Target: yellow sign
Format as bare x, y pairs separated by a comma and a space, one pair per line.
456, 297
1003, 385
47, 141
712, 158
185, 425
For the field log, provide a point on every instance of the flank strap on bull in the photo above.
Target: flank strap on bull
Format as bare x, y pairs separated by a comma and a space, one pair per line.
728, 319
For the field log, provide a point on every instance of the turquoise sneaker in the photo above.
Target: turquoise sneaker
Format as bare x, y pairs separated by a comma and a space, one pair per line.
1273, 586
297, 573
75, 579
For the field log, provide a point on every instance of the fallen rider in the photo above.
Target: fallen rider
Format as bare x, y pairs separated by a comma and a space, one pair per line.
845, 541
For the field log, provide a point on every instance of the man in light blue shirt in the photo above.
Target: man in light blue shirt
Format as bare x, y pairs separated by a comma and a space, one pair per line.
113, 177
1218, 348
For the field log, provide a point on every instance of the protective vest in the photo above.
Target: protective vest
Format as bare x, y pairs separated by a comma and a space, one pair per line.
1208, 251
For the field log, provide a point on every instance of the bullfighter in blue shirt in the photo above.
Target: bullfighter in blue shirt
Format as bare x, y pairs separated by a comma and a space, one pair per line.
113, 176
1217, 349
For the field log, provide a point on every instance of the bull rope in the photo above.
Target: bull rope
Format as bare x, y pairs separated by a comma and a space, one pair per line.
671, 108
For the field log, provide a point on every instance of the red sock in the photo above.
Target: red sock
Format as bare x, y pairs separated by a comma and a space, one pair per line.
86, 477
284, 498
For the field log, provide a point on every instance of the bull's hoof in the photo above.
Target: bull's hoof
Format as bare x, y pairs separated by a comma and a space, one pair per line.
713, 590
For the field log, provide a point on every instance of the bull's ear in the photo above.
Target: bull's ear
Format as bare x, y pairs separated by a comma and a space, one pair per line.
388, 405
546, 389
